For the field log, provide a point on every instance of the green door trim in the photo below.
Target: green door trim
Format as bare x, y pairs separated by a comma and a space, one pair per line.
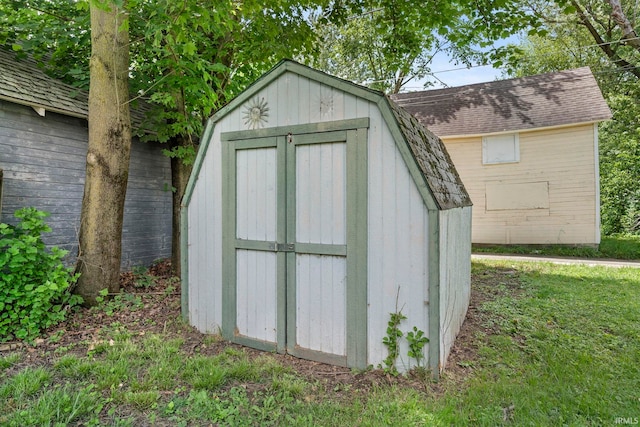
354, 133
311, 128
230, 244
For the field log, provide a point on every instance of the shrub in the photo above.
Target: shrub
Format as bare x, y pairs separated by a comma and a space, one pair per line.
34, 283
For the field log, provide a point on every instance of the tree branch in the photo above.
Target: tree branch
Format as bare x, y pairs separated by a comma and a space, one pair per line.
606, 47
629, 35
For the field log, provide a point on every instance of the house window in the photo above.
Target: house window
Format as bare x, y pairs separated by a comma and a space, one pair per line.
500, 149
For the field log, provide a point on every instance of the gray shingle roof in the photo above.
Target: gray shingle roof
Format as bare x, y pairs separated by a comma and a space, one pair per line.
23, 82
544, 100
434, 161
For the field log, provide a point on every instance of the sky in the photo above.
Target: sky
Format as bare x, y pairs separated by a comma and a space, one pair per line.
459, 77
442, 66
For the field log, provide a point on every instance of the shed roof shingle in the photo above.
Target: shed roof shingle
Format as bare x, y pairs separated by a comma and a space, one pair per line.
544, 100
433, 159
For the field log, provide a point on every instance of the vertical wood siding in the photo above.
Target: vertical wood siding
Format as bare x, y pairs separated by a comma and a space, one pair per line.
564, 158
398, 245
256, 194
44, 166
205, 241
257, 294
398, 222
321, 193
320, 309
321, 218
455, 275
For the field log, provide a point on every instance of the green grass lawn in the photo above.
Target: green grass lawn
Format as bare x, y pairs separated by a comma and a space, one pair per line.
552, 345
616, 247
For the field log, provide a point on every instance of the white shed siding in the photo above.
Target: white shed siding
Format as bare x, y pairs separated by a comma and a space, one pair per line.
205, 245
321, 218
397, 246
321, 193
562, 157
321, 311
256, 279
455, 275
256, 192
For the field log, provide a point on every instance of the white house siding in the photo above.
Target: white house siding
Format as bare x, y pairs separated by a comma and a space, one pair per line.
397, 254
560, 159
455, 275
44, 166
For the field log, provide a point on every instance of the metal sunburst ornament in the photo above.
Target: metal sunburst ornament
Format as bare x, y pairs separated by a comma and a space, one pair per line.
256, 113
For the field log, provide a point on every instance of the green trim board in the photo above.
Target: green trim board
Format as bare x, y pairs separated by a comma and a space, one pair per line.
184, 261
254, 343
434, 293
357, 247
197, 164
327, 131
318, 356
281, 234
229, 308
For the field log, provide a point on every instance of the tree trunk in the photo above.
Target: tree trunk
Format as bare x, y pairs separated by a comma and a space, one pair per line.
108, 153
179, 177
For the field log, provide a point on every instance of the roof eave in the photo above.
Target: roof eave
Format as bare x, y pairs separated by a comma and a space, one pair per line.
521, 130
45, 107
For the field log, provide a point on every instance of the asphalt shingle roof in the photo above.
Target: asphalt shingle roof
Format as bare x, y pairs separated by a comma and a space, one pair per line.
22, 81
544, 100
433, 159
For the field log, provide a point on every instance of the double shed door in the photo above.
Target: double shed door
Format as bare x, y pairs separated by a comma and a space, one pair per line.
294, 240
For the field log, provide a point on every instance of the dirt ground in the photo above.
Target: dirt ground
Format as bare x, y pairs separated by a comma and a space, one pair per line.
157, 310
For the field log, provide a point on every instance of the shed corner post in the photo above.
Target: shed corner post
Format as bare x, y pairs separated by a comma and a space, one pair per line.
357, 244
184, 261
434, 292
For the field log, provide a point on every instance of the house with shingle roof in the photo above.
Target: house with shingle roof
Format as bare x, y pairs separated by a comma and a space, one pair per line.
43, 146
527, 152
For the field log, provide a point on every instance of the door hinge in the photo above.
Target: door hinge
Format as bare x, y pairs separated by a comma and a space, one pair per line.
285, 247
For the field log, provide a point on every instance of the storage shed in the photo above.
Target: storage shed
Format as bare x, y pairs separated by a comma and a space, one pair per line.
316, 208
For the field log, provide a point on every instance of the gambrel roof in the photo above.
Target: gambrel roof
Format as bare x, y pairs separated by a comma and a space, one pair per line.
426, 150
541, 101
433, 159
